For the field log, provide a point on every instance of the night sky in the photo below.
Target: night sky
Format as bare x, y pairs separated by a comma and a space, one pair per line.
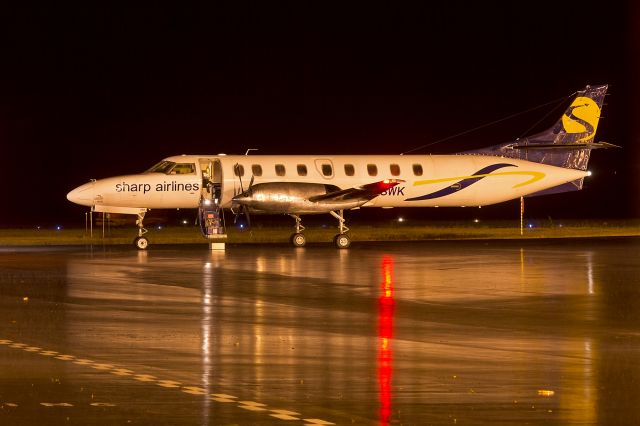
90, 91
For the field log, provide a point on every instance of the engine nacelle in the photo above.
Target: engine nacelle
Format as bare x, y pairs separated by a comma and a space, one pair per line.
291, 197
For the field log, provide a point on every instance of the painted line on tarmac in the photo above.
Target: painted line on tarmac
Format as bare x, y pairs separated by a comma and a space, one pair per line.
56, 404
258, 407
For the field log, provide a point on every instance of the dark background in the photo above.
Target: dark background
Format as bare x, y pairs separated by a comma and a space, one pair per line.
90, 91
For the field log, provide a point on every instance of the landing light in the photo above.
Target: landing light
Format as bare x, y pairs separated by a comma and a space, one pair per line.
589, 173
58, 228
476, 220
184, 222
401, 219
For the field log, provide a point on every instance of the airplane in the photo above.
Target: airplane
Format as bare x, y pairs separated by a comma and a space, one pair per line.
552, 161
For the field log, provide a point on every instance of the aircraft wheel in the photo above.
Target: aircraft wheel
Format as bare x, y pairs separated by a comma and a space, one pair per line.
141, 242
342, 241
298, 240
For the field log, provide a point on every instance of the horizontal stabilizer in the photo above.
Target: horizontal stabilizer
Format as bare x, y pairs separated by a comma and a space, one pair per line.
588, 145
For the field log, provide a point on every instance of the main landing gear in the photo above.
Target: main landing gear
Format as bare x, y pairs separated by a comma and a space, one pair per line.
140, 241
341, 240
297, 238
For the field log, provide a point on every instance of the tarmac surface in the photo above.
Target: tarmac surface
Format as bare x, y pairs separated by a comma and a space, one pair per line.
442, 333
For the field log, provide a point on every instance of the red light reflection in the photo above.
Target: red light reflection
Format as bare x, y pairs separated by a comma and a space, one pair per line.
386, 307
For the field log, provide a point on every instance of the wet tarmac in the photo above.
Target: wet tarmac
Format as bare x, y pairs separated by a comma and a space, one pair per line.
442, 333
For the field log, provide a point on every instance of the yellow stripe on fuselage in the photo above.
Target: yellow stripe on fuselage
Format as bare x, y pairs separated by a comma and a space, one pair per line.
535, 177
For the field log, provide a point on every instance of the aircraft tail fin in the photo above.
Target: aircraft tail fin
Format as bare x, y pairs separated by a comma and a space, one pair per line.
569, 142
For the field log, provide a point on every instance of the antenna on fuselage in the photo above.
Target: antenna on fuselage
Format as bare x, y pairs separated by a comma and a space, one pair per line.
558, 101
250, 149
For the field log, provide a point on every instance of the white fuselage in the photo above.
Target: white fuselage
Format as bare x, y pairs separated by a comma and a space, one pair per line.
429, 180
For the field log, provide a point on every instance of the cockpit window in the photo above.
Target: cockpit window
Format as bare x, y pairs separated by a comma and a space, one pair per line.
183, 169
162, 167
171, 168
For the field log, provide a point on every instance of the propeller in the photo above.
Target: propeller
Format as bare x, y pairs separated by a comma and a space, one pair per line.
244, 210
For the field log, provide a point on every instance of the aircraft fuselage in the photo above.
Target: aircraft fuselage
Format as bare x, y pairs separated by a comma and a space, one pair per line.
428, 180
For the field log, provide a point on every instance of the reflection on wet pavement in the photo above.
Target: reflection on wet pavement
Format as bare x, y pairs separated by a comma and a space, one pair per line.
421, 333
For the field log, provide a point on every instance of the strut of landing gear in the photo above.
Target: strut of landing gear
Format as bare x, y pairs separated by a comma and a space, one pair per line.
140, 241
297, 238
342, 240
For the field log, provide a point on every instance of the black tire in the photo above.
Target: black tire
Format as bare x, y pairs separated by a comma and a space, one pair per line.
342, 241
141, 243
298, 240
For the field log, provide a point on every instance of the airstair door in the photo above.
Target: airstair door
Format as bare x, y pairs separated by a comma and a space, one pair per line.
210, 213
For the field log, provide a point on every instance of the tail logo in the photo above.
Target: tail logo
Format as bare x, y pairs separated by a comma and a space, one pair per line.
582, 118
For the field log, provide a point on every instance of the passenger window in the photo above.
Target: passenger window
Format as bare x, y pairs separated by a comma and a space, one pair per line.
302, 170
327, 170
238, 170
395, 169
372, 169
183, 169
256, 170
280, 171
417, 169
349, 170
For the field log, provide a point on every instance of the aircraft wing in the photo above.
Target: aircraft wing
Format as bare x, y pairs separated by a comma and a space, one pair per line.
360, 193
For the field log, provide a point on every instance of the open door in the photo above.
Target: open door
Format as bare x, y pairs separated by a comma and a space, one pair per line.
210, 212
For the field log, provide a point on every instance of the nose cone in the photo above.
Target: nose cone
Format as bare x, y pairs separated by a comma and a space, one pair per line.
243, 197
83, 195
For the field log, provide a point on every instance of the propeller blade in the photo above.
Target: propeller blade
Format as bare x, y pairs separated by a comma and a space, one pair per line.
246, 213
237, 170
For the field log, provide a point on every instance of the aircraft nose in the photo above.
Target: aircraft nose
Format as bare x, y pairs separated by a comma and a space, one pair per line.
82, 195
